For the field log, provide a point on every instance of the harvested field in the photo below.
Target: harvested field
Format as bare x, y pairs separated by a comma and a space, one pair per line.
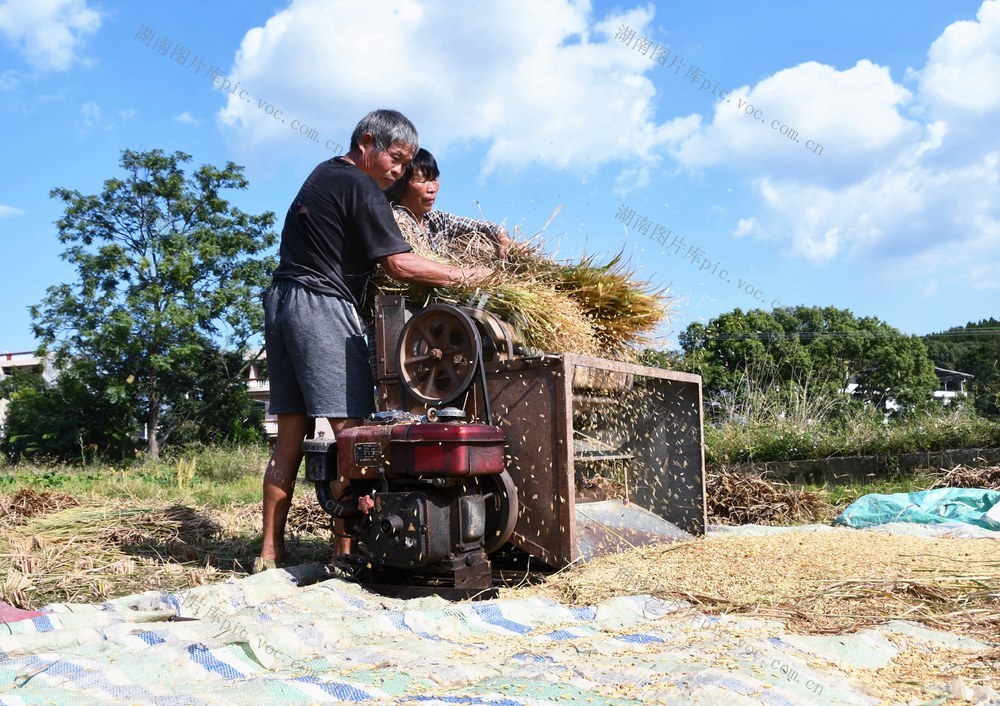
788, 582
56, 550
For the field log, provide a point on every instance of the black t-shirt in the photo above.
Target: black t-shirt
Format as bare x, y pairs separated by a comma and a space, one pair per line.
336, 229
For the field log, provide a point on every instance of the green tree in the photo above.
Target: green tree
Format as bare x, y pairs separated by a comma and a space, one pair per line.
168, 274
78, 417
796, 348
208, 408
974, 349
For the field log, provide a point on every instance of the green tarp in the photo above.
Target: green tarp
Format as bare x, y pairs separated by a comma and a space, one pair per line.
972, 506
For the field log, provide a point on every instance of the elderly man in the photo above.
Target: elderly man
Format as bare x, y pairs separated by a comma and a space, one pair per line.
336, 230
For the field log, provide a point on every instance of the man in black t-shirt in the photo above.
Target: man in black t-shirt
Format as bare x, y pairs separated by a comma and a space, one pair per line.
337, 229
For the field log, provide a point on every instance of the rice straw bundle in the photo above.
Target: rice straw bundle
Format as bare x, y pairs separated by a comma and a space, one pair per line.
26, 503
580, 307
987, 477
622, 311
744, 498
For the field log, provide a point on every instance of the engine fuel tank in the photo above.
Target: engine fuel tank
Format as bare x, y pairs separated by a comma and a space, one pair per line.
425, 450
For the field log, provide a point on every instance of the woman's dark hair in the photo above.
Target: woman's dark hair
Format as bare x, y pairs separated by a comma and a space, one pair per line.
423, 163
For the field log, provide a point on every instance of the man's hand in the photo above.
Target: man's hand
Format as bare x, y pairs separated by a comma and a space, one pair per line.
475, 275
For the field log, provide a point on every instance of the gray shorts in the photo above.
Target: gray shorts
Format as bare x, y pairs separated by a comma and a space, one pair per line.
317, 356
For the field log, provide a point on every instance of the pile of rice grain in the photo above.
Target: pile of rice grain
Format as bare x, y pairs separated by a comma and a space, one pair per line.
823, 581
827, 581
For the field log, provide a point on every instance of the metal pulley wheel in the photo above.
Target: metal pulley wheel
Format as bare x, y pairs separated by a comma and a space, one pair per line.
499, 337
501, 507
439, 352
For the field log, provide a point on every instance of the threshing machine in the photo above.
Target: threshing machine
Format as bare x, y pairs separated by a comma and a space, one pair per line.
481, 454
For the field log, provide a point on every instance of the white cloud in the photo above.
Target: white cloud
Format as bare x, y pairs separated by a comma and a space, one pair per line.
746, 226
10, 211
91, 114
963, 70
900, 213
985, 276
910, 180
187, 119
94, 117
565, 94
48, 33
9, 79
853, 115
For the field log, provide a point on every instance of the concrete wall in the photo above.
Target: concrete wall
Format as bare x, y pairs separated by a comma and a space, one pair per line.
845, 469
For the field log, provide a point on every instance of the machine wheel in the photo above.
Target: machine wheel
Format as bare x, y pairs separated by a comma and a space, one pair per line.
439, 351
501, 509
499, 338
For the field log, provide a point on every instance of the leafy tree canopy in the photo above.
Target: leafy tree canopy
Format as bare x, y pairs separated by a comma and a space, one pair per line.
975, 349
169, 275
820, 347
77, 418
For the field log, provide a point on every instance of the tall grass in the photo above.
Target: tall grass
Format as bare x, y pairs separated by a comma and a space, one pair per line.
856, 431
768, 417
215, 476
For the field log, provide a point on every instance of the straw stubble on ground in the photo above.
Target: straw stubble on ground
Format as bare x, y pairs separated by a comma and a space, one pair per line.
62, 550
740, 498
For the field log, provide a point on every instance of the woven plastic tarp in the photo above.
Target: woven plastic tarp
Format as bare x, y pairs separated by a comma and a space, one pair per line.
968, 505
262, 639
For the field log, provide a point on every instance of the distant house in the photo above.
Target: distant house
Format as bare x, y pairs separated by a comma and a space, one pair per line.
260, 390
951, 384
26, 362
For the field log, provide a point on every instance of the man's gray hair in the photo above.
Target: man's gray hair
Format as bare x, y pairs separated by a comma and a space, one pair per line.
387, 127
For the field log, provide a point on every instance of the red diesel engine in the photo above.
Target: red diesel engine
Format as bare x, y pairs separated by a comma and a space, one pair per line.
428, 499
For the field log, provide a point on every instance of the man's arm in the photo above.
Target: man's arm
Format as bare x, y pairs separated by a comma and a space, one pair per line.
414, 269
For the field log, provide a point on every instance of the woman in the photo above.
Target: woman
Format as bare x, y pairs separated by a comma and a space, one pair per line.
412, 197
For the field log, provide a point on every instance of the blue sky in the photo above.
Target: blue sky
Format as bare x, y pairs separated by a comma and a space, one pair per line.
664, 130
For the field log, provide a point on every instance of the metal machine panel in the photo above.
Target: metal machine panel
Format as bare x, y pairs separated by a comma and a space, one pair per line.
653, 425
613, 526
529, 403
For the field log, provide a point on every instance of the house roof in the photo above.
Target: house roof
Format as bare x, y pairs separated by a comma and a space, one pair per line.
945, 373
